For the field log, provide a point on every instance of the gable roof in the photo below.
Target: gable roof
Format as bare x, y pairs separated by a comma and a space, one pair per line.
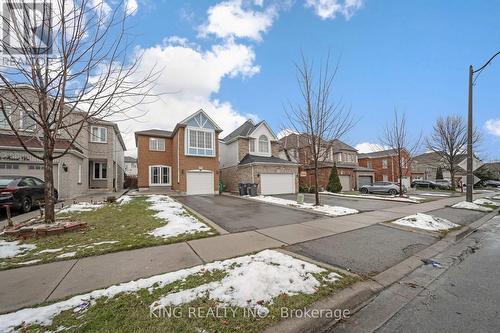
185, 121
245, 130
298, 140
381, 153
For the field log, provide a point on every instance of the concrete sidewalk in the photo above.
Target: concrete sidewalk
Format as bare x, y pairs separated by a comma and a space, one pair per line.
32, 285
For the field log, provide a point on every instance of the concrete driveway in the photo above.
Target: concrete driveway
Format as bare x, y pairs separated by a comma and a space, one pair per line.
236, 215
368, 251
363, 205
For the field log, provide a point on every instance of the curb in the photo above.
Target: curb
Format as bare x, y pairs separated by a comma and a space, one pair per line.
467, 230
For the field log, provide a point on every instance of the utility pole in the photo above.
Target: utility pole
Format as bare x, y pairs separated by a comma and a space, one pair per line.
470, 174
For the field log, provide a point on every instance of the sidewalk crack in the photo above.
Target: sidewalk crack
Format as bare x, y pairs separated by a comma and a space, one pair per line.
60, 281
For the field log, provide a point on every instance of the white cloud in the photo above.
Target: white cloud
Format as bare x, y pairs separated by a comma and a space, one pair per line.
189, 78
131, 7
239, 18
329, 9
367, 147
493, 126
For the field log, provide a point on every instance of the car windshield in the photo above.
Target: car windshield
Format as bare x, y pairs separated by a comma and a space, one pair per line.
4, 181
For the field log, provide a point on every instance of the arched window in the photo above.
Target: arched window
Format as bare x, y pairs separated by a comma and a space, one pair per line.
263, 144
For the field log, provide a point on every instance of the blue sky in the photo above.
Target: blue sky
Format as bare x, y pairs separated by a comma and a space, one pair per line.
236, 58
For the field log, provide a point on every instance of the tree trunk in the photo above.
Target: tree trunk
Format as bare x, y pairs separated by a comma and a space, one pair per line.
48, 175
316, 183
452, 176
400, 166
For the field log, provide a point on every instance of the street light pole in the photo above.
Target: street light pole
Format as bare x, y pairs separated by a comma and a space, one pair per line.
470, 130
470, 174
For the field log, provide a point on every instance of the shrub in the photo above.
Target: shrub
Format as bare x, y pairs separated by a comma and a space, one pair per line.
334, 181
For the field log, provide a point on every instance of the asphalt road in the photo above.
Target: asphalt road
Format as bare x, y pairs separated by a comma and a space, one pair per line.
362, 205
236, 215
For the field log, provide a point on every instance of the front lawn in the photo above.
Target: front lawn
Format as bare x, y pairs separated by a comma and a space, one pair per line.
135, 223
244, 294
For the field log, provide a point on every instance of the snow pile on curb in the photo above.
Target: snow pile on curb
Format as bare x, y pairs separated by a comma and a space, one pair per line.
411, 199
12, 249
471, 206
66, 255
496, 197
123, 200
329, 210
272, 273
426, 222
178, 220
80, 207
484, 201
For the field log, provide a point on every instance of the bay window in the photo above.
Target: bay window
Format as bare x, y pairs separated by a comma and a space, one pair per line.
200, 142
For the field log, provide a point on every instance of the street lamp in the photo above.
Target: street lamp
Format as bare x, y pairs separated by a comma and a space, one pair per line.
470, 174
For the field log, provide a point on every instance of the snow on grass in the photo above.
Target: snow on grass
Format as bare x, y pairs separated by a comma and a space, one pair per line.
426, 222
329, 210
12, 249
50, 251
80, 207
30, 262
178, 220
472, 206
431, 194
67, 255
411, 199
496, 197
123, 200
105, 242
487, 202
271, 274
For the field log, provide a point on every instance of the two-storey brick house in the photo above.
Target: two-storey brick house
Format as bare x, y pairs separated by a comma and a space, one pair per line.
95, 159
385, 164
250, 154
185, 159
296, 147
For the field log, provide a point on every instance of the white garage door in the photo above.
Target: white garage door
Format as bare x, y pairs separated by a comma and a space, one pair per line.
345, 181
200, 182
277, 183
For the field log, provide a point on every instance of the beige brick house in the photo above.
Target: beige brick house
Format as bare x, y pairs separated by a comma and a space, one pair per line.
250, 155
185, 159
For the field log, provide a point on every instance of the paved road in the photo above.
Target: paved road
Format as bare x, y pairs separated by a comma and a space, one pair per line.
463, 298
236, 215
359, 204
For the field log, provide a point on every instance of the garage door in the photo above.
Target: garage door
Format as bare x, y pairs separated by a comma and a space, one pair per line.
277, 183
200, 182
345, 181
364, 180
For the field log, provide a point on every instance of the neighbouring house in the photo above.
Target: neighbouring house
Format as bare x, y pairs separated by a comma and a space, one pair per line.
424, 166
185, 159
491, 169
385, 165
296, 147
250, 154
130, 166
94, 161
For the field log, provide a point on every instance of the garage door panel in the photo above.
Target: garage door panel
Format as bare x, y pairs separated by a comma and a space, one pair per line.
345, 181
364, 180
199, 183
277, 183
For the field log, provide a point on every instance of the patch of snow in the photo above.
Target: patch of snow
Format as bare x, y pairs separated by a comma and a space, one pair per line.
496, 197
105, 242
411, 199
484, 201
471, 206
80, 207
178, 220
66, 255
426, 222
430, 194
29, 262
50, 251
329, 210
272, 273
123, 200
12, 249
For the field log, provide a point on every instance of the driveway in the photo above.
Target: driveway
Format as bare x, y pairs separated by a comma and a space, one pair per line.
236, 215
369, 250
363, 205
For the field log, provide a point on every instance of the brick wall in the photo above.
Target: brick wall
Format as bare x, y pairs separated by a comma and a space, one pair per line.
392, 171
242, 148
324, 176
145, 158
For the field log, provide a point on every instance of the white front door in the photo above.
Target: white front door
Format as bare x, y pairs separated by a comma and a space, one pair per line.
199, 182
274, 183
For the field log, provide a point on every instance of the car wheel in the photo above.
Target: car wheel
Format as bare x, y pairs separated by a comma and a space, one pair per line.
27, 204
364, 191
393, 192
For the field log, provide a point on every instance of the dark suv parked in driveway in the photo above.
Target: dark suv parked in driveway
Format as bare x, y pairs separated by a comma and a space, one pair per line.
22, 192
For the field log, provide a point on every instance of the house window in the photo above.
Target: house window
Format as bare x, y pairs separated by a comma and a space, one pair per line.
200, 142
384, 164
35, 167
251, 145
3, 120
9, 166
100, 170
159, 175
369, 164
263, 144
157, 144
79, 173
27, 121
98, 134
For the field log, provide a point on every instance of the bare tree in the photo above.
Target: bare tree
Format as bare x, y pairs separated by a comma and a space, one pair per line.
449, 140
397, 138
71, 65
317, 116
